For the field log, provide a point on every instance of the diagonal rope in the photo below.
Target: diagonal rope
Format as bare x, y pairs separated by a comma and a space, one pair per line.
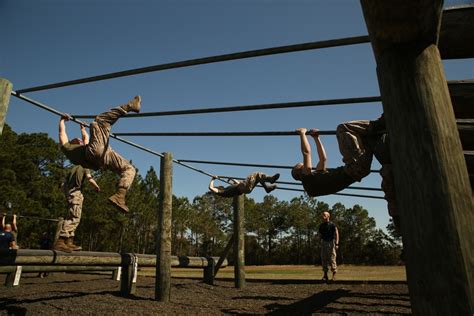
208, 60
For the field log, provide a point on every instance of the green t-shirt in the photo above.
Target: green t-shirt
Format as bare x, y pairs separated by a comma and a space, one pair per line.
75, 178
77, 155
332, 181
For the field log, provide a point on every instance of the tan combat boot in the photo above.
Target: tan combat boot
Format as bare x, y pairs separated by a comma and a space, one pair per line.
271, 179
60, 245
269, 187
134, 105
71, 245
118, 199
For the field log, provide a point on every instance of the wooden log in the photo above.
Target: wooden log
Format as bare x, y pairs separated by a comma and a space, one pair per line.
462, 98
163, 262
35, 269
5, 92
239, 242
433, 191
456, 36
224, 255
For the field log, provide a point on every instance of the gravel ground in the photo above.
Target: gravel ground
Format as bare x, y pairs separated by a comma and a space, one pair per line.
97, 294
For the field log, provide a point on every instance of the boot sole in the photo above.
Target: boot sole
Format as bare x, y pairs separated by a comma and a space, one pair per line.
120, 207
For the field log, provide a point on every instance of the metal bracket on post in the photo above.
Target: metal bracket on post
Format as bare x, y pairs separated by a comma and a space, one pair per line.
117, 274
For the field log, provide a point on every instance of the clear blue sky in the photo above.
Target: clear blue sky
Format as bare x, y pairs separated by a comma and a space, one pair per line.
51, 41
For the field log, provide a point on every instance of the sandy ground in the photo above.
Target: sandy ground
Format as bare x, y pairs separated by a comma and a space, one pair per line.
98, 294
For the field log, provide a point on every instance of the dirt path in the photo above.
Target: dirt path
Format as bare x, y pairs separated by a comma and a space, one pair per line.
87, 294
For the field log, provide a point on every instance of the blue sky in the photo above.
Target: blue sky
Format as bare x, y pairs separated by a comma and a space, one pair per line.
51, 41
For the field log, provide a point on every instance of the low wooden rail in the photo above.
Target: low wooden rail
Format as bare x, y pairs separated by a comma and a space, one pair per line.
14, 262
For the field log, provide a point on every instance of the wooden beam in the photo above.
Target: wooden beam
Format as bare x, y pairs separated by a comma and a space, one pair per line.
163, 262
433, 191
5, 92
239, 241
462, 98
456, 36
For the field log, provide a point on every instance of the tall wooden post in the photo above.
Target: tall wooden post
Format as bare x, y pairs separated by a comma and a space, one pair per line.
5, 91
163, 253
433, 192
239, 242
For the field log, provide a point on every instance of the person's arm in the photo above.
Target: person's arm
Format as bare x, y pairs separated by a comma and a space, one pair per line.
211, 185
92, 182
321, 166
337, 238
305, 150
14, 227
85, 135
63, 139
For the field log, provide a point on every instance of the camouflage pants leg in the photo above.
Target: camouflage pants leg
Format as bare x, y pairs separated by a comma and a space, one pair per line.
249, 184
100, 152
73, 218
388, 187
328, 256
356, 156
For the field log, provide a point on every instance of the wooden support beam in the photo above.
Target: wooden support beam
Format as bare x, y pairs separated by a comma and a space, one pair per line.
5, 92
239, 241
163, 262
456, 36
462, 97
208, 272
224, 255
433, 192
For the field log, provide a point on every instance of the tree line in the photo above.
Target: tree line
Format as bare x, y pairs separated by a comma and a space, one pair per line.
32, 169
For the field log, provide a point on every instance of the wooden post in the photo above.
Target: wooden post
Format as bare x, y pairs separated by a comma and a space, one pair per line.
5, 91
208, 271
128, 279
13, 278
239, 242
433, 192
163, 253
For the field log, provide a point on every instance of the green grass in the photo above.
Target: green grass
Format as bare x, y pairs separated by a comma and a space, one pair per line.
301, 272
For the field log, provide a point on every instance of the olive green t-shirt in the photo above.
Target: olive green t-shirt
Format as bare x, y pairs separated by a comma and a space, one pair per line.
75, 178
332, 181
77, 155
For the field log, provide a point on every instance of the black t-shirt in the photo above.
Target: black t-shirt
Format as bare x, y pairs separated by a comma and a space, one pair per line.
327, 230
5, 239
332, 181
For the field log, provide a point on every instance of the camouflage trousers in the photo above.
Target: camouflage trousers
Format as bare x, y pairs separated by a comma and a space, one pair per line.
74, 200
356, 155
251, 181
328, 255
101, 153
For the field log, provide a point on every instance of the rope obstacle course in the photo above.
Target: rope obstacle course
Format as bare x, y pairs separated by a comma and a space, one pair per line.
379, 16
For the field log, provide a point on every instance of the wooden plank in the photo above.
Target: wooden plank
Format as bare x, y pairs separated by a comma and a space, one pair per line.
433, 190
456, 38
462, 98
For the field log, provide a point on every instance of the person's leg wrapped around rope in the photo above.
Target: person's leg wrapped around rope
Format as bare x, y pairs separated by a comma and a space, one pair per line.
352, 145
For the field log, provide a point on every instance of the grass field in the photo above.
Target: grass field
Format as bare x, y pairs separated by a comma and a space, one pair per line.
303, 272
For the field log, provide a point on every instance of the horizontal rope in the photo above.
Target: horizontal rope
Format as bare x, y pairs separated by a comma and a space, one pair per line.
277, 133
299, 184
246, 164
208, 60
266, 106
